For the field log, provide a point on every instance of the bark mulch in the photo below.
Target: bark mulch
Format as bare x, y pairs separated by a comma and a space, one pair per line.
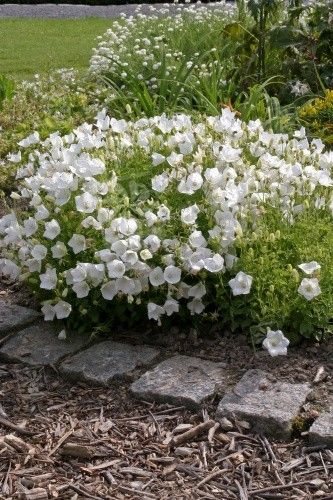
66, 441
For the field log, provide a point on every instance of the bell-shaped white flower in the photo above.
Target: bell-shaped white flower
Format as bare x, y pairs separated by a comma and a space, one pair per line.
196, 306
155, 311
171, 306
30, 226
241, 284
59, 250
52, 230
77, 243
189, 215
109, 290
156, 277
86, 203
309, 288
197, 291
172, 274
310, 267
39, 252
116, 268
48, 280
62, 309
214, 264
48, 311
159, 183
275, 343
81, 289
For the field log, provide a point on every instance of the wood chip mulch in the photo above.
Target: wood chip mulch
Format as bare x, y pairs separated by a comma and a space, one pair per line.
65, 441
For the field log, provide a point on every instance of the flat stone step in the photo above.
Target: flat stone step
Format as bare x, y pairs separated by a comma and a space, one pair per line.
13, 317
270, 407
181, 380
106, 361
38, 345
321, 431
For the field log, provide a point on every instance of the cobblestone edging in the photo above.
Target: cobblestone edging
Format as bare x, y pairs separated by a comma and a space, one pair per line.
269, 407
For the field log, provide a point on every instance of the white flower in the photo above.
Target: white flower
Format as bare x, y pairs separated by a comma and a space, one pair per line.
62, 309
172, 274
214, 264
39, 252
146, 254
159, 183
309, 288
59, 250
81, 289
30, 226
86, 203
42, 213
275, 343
52, 230
30, 140
152, 242
77, 243
109, 290
48, 280
196, 306
310, 267
189, 215
156, 277
157, 159
48, 311
151, 218
163, 213
155, 311
241, 284
62, 335
116, 268
9, 268
197, 291
171, 306
196, 239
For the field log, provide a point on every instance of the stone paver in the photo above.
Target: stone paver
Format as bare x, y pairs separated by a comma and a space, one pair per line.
104, 362
39, 345
321, 431
181, 380
13, 317
270, 407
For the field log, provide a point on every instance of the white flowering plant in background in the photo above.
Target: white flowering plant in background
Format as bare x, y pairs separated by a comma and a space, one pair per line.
205, 219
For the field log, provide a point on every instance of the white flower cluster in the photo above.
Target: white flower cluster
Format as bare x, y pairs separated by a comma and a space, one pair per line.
88, 238
157, 47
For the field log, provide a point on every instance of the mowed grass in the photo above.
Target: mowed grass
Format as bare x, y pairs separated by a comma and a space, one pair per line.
30, 46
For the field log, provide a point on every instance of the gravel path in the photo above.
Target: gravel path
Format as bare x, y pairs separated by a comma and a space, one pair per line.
63, 11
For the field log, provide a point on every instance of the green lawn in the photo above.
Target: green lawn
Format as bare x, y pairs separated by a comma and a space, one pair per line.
29, 46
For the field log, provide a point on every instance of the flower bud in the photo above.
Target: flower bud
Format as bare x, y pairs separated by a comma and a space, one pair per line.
277, 234
261, 260
295, 275
64, 293
272, 237
271, 288
290, 268
251, 252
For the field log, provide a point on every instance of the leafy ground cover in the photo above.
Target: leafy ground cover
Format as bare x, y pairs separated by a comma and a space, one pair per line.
39, 46
194, 192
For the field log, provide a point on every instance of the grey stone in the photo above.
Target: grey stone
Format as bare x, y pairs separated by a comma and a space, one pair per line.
103, 362
270, 407
321, 431
13, 317
181, 380
39, 345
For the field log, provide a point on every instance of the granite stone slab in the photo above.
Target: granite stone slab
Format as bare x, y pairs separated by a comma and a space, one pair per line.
38, 345
270, 407
13, 317
106, 361
321, 431
181, 380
